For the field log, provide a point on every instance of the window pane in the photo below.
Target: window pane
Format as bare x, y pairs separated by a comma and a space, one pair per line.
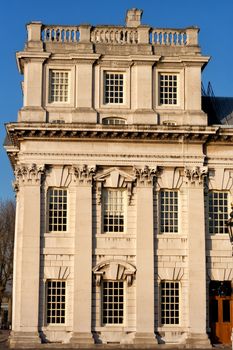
169, 304
168, 211
57, 219
218, 212
59, 86
112, 302
113, 209
114, 92
56, 305
164, 97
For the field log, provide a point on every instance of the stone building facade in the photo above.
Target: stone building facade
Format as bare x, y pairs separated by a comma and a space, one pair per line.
123, 190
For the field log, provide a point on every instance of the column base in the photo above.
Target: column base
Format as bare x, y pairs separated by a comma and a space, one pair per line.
145, 339
197, 341
82, 338
24, 339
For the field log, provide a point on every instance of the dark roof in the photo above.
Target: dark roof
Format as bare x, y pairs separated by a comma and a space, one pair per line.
218, 109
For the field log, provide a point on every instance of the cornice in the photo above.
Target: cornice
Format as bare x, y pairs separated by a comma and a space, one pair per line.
151, 133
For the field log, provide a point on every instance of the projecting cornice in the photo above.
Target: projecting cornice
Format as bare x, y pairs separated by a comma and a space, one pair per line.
18, 132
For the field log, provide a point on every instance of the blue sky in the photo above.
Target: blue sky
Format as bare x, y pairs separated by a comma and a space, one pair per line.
213, 17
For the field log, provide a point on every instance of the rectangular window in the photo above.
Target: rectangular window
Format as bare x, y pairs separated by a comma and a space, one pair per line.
56, 301
168, 211
170, 302
114, 88
113, 209
168, 85
112, 302
57, 209
59, 86
218, 212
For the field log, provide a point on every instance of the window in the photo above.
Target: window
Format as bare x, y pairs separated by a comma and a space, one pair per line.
168, 211
113, 121
168, 85
113, 209
56, 301
114, 88
112, 302
170, 302
218, 212
57, 211
59, 86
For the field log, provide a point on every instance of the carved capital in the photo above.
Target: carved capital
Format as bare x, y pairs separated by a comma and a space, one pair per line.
27, 175
196, 174
145, 176
83, 175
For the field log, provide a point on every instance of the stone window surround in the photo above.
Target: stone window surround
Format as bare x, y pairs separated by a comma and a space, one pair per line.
180, 88
126, 89
46, 86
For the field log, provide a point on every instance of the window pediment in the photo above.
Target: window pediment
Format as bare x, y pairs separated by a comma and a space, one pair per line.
114, 178
114, 270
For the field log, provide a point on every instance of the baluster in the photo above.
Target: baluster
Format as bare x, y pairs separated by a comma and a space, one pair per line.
95, 36
181, 38
133, 37
171, 38
154, 37
114, 36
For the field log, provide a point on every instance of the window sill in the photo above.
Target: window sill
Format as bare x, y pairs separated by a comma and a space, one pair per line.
56, 234
170, 235
217, 236
114, 235
56, 327
119, 328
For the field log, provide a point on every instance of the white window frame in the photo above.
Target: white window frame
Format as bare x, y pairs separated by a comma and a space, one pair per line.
169, 324
113, 121
48, 210
103, 324
160, 211
218, 213
71, 88
180, 89
106, 190
47, 323
126, 89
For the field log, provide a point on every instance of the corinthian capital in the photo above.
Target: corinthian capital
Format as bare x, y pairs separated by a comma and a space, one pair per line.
196, 174
145, 175
83, 174
27, 175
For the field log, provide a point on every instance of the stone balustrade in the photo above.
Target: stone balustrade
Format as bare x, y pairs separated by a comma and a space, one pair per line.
113, 35
171, 37
110, 35
61, 34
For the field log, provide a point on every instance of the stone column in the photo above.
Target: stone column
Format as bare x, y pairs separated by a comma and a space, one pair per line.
196, 336
82, 181
145, 258
26, 257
